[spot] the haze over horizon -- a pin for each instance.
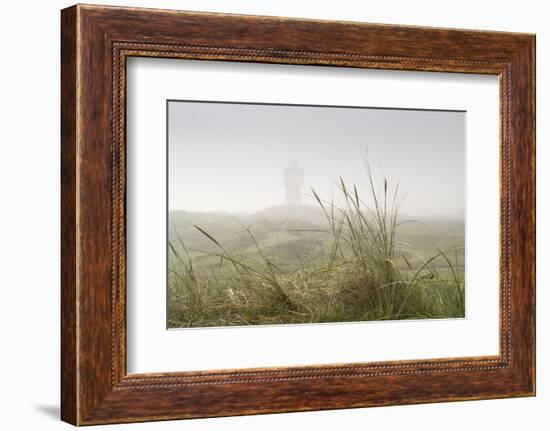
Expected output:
(230, 157)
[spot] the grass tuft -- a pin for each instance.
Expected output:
(364, 275)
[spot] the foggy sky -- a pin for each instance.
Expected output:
(230, 157)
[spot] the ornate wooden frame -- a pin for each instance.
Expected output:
(95, 43)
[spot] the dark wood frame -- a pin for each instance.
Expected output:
(95, 43)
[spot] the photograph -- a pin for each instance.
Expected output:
(306, 214)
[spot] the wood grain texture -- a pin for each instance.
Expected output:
(96, 41)
(69, 367)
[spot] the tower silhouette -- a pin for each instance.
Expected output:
(294, 181)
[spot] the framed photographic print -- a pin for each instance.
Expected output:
(266, 215)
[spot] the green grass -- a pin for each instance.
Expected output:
(354, 268)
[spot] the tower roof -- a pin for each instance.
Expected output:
(293, 167)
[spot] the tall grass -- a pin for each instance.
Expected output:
(361, 277)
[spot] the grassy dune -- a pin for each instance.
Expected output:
(354, 260)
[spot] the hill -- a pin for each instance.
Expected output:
(289, 235)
